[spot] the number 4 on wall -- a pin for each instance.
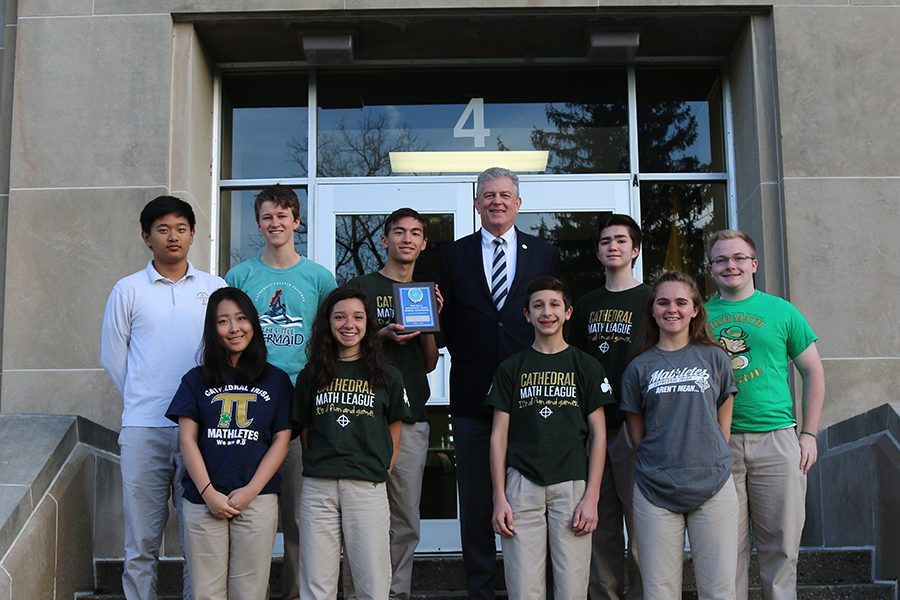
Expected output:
(477, 132)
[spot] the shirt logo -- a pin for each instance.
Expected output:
(343, 421)
(203, 298)
(546, 412)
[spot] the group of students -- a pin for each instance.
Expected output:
(274, 321)
(286, 353)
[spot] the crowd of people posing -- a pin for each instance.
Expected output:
(640, 409)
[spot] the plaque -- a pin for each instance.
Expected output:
(415, 307)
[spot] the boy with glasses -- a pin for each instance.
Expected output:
(771, 458)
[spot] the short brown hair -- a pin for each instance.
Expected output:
(281, 195)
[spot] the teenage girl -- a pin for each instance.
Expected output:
(678, 395)
(233, 414)
(348, 405)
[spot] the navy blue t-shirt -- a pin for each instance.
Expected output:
(237, 424)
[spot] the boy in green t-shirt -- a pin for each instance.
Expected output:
(286, 289)
(548, 401)
(771, 459)
(415, 354)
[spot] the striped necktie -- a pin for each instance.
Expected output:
(499, 289)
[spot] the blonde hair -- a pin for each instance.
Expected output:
(729, 234)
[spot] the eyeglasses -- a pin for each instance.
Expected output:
(738, 259)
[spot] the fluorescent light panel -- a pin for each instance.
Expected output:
(534, 161)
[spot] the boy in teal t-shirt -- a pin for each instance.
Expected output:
(548, 402)
(286, 289)
(771, 459)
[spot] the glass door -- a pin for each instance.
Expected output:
(562, 212)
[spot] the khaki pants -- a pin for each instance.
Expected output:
(289, 508)
(404, 494)
(608, 540)
(712, 530)
(542, 516)
(332, 510)
(771, 491)
(230, 558)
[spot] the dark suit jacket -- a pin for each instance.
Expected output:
(479, 336)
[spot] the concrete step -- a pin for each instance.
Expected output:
(823, 574)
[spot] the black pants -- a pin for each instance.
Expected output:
(472, 437)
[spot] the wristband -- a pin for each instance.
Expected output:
(809, 433)
(204, 489)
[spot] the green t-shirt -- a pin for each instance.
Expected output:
(347, 423)
(607, 325)
(548, 398)
(287, 301)
(409, 358)
(759, 334)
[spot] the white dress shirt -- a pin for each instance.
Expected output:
(487, 254)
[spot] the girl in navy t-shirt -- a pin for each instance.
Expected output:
(233, 414)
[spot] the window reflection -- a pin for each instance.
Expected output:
(264, 120)
(677, 218)
(358, 247)
(573, 233)
(679, 115)
(243, 240)
(439, 479)
(578, 115)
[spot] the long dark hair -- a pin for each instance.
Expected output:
(251, 365)
(698, 331)
(322, 349)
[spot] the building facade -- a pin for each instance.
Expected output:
(776, 117)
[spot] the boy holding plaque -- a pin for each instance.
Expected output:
(415, 354)
(548, 400)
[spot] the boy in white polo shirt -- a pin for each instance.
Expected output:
(547, 400)
(152, 328)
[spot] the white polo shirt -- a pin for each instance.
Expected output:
(152, 329)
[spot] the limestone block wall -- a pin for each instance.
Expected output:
(49, 504)
(112, 110)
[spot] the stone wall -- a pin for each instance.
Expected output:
(854, 489)
(60, 505)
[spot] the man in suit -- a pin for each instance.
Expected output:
(483, 278)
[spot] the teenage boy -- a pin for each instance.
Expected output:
(606, 324)
(415, 355)
(547, 400)
(152, 328)
(771, 459)
(286, 289)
